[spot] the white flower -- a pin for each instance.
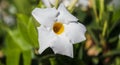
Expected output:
(59, 30)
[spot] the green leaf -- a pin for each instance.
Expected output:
(32, 33)
(27, 57)
(95, 60)
(53, 61)
(112, 53)
(15, 44)
(15, 40)
(113, 34)
(10, 41)
(80, 14)
(94, 34)
(23, 18)
(116, 15)
(23, 24)
(28, 30)
(13, 57)
(81, 52)
(23, 6)
(117, 61)
(116, 12)
(118, 46)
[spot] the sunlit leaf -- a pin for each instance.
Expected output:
(23, 6)
(27, 30)
(27, 57)
(32, 33)
(117, 61)
(13, 57)
(15, 40)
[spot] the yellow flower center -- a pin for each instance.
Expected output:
(58, 28)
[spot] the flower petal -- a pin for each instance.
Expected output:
(65, 16)
(47, 3)
(45, 16)
(62, 46)
(75, 32)
(45, 38)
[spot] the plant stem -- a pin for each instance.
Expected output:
(104, 28)
(52, 61)
(56, 3)
(101, 2)
(72, 5)
(94, 10)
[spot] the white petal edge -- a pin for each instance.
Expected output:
(75, 32)
(45, 38)
(46, 16)
(65, 16)
(62, 46)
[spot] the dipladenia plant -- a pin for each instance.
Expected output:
(59, 30)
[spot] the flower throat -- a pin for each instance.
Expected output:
(58, 28)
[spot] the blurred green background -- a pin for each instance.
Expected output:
(18, 35)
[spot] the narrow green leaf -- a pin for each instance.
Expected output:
(32, 33)
(13, 57)
(95, 60)
(23, 24)
(118, 46)
(116, 15)
(23, 6)
(117, 61)
(80, 14)
(116, 12)
(112, 53)
(27, 57)
(52, 61)
(81, 52)
(15, 40)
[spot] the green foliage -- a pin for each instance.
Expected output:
(20, 41)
